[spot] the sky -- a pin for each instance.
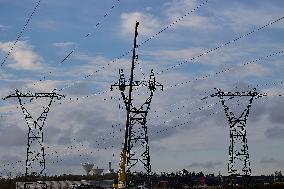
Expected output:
(87, 125)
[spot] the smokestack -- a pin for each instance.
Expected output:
(109, 167)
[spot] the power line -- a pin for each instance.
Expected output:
(153, 36)
(192, 58)
(243, 65)
(223, 45)
(179, 125)
(179, 117)
(225, 70)
(71, 147)
(206, 106)
(147, 40)
(13, 163)
(20, 35)
(207, 52)
(189, 81)
(103, 139)
(191, 120)
(91, 33)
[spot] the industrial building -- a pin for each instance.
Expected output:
(66, 184)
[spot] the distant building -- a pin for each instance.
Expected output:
(87, 167)
(97, 171)
(65, 184)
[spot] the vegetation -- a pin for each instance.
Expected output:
(179, 180)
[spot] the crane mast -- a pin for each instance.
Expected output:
(123, 156)
(136, 130)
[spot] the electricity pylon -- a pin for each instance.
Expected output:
(35, 159)
(136, 131)
(238, 149)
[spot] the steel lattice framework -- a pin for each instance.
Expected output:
(137, 124)
(238, 148)
(35, 160)
(136, 133)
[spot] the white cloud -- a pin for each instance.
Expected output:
(48, 25)
(87, 119)
(176, 9)
(148, 23)
(253, 69)
(23, 56)
(148, 8)
(3, 28)
(179, 5)
(175, 54)
(63, 44)
(240, 17)
(196, 22)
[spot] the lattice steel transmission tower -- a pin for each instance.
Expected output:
(136, 132)
(238, 148)
(35, 159)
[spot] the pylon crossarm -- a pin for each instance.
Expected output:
(253, 93)
(35, 95)
(121, 85)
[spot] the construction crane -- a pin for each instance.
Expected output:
(123, 156)
(136, 134)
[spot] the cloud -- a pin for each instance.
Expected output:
(275, 109)
(240, 16)
(63, 44)
(275, 133)
(175, 8)
(23, 56)
(268, 161)
(50, 25)
(148, 23)
(175, 54)
(206, 165)
(178, 8)
(10, 158)
(12, 136)
(3, 28)
(90, 119)
(252, 69)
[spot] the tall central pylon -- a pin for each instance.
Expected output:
(135, 149)
(35, 159)
(239, 163)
